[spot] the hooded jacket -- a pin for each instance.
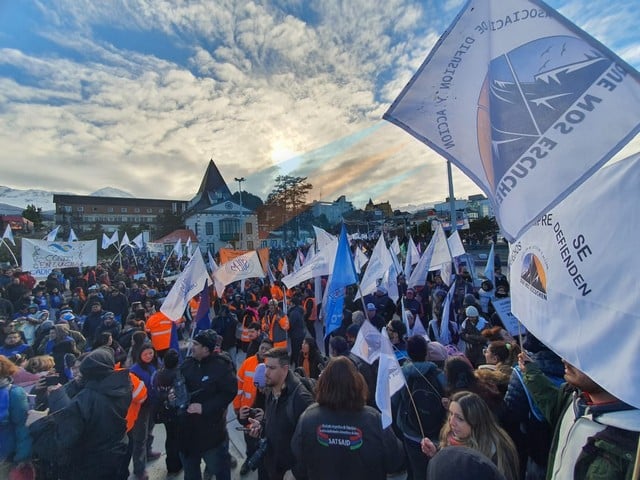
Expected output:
(89, 431)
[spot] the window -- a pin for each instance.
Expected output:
(94, 209)
(161, 210)
(249, 245)
(211, 247)
(123, 210)
(136, 210)
(149, 210)
(110, 210)
(249, 229)
(79, 209)
(208, 228)
(229, 225)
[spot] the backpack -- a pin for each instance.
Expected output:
(308, 384)
(427, 393)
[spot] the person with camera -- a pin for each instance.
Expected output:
(246, 398)
(286, 400)
(210, 381)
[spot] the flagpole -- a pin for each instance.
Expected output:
(165, 265)
(11, 252)
(452, 200)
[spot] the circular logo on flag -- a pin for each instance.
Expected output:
(239, 265)
(528, 91)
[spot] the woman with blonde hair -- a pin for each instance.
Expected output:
(471, 424)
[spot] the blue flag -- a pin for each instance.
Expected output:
(174, 341)
(344, 274)
(203, 322)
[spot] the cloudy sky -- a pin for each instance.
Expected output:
(140, 94)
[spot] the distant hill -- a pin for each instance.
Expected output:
(19, 199)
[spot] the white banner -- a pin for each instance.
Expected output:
(523, 102)
(40, 256)
(573, 279)
(240, 268)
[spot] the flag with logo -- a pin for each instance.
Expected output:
(189, 283)
(314, 266)
(242, 267)
(344, 274)
(8, 235)
(572, 279)
(390, 378)
(523, 102)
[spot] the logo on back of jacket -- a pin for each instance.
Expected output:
(534, 90)
(345, 436)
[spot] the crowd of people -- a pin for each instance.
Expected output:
(90, 367)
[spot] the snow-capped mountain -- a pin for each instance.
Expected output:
(44, 199)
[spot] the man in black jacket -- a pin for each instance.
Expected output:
(297, 328)
(286, 401)
(211, 383)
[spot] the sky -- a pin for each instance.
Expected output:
(139, 94)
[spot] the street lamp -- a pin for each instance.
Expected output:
(240, 180)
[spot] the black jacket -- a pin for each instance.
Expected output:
(345, 445)
(280, 423)
(89, 431)
(297, 328)
(211, 382)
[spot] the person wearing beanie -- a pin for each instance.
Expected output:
(210, 379)
(424, 392)
(470, 333)
(87, 435)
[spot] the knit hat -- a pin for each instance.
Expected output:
(472, 311)
(462, 463)
(259, 379)
(371, 307)
(436, 352)
(207, 338)
(97, 364)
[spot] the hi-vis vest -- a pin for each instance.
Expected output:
(159, 327)
(276, 325)
(246, 389)
(138, 397)
(247, 318)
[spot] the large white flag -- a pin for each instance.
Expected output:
(242, 267)
(320, 264)
(436, 255)
(323, 238)
(413, 256)
(548, 104)
(367, 344)
(8, 234)
(125, 240)
(189, 283)
(455, 244)
(72, 236)
(360, 259)
(138, 241)
(573, 276)
(51, 236)
(379, 264)
(390, 378)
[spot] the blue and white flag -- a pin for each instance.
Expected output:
(51, 236)
(203, 320)
(573, 275)
(489, 270)
(344, 274)
(548, 104)
(390, 378)
(189, 283)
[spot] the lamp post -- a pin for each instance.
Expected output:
(240, 180)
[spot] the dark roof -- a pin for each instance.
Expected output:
(124, 201)
(213, 189)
